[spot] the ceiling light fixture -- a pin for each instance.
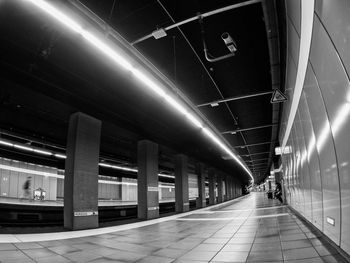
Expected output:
(121, 61)
(25, 148)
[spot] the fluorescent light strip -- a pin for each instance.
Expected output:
(61, 156)
(137, 73)
(6, 143)
(118, 167)
(28, 171)
(25, 148)
(42, 152)
(166, 176)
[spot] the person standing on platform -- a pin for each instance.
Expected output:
(278, 192)
(27, 188)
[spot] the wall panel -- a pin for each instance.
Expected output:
(335, 87)
(326, 152)
(304, 169)
(313, 164)
(293, 12)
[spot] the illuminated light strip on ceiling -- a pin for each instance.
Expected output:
(118, 167)
(25, 148)
(6, 143)
(137, 73)
(62, 156)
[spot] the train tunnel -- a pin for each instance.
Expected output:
(174, 131)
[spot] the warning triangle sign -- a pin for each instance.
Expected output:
(278, 96)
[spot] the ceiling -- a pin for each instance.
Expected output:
(48, 73)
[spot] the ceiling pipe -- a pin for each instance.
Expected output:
(236, 98)
(194, 18)
(250, 129)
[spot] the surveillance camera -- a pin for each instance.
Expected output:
(229, 42)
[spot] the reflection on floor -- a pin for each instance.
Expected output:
(253, 229)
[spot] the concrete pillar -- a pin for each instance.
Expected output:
(147, 180)
(181, 184)
(212, 185)
(201, 185)
(81, 172)
(227, 189)
(220, 192)
(234, 195)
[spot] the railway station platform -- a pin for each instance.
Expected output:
(248, 229)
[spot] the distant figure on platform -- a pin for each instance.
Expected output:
(278, 192)
(27, 187)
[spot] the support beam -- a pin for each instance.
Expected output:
(81, 172)
(195, 18)
(249, 129)
(216, 102)
(220, 188)
(264, 159)
(212, 186)
(254, 144)
(147, 180)
(201, 201)
(181, 184)
(248, 155)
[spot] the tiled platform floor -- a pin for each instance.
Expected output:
(252, 229)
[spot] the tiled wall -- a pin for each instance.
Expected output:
(317, 172)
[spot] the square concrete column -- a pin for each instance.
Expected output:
(147, 180)
(181, 184)
(234, 190)
(201, 186)
(212, 185)
(81, 172)
(231, 187)
(220, 192)
(227, 190)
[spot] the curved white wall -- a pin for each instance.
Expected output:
(317, 172)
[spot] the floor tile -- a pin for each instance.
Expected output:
(28, 245)
(170, 252)
(258, 256)
(105, 260)
(216, 240)
(38, 253)
(53, 243)
(199, 255)
(231, 257)
(299, 253)
(325, 250)
(13, 255)
(155, 259)
(126, 256)
(208, 247)
(63, 249)
(296, 244)
(268, 246)
(81, 256)
(53, 259)
(236, 247)
(7, 246)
